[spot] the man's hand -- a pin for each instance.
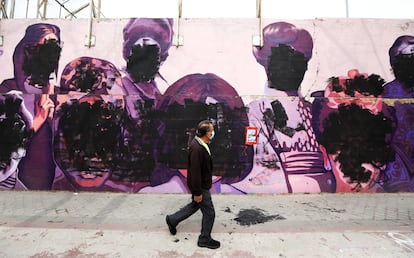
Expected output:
(198, 198)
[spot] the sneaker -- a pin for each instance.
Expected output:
(172, 228)
(212, 244)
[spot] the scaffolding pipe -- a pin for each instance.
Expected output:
(12, 8)
(177, 36)
(40, 4)
(89, 37)
(27, 9)
(259, 15)
(346, 9)
(3, 9)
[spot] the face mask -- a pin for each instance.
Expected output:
(211, 136)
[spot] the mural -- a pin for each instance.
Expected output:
(119, 116)
(349, 113)
(287, 156)
(401, 88)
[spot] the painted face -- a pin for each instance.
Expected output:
(403, 68)
(344, 131)
(96, 141)
(343, 183)
(144, 61)
(41, 60)
(88, 134)
(286, 68)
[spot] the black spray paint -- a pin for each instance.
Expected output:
(144, 62)
(14, 133)
(40, 61)
(247, 217)
(286, 68)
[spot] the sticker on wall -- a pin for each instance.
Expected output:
(251, 135)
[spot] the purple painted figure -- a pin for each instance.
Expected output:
(145, 48)
(401, 89)
(35, 61)
(287, 156)
(345, 115)
(193, 98)
(87, 80)
(15, 132)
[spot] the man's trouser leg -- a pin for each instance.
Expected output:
(184, 212)
(207, 208)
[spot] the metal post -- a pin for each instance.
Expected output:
(178, 40)
(41, 9)
(346, 8)
(258, 39)
(259, 15)
(3, 10)
(90, 39)
(99, 9)
(27, 9)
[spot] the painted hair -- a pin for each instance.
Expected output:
(197, 97)
(284, 33)
(357, 136)
(402, 45)
(402, 60)
(88, 74)
(357, 82)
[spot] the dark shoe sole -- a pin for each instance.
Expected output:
(208, 246)
(171, 228)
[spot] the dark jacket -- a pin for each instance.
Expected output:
(199, 168)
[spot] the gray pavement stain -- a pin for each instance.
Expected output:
(310, 204)
(247, 217)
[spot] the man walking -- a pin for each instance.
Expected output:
(199, 175)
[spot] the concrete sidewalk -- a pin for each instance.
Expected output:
(67, 224)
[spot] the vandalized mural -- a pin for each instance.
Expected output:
(119, 116)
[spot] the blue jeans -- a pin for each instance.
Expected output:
(207, 209)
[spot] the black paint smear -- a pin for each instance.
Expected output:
(286, 68)
(227, 146)
(403, 69)
(90, 132)
(357, 136)
(144, 62)
(135, 159)
(372, 85)
(86, 78)
(247, 217)
(14, 132)
(41, 60)
(276, 119)
(103, 137)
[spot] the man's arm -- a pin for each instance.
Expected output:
(195, 170)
